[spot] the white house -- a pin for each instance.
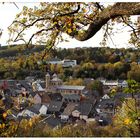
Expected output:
(122, 83)
(110, 83)
(76, 113)
(27, 112)
(43, 110)
(69, 63)
(105, 97)
(34, 110)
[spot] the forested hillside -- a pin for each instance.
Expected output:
(18, 62)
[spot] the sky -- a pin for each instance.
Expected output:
(8, 12)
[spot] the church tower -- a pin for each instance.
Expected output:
(47, 80)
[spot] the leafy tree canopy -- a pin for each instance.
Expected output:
(79, 20)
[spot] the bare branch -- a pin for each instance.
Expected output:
(38, 32)
(133, 29)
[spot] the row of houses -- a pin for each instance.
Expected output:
(65, 63)
(56, 103)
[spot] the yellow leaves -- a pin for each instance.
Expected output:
(24, 20)
(55, 23)
(69, 24)
(4, 115)
(69, 31)
(84, 10)
(2, 125)
(30, 123)
(127, 121)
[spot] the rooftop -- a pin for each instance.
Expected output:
(84, 108)
(55, 106)
(69, 87)
(68, 110)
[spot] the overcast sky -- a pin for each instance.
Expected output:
(8, 12)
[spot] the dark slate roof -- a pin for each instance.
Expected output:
(29, 78)
(122, 95)
(106, 103)
(32, 93)
(25, 84)
(53, 121)
(95, 93)
(71, 96)
(121, 81)
(125, 95)
(84, 108)
(43, 84)
(23, 117)
(35, 108)
(55, 106)
(55, 96)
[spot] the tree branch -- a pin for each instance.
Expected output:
(38, 32)
(118, 9)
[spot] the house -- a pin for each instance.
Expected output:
(45, 98)
(103, 119)
(101, 79)
(39, 97)
(55, 96)
(53, 122)
(71, 98)
(43, 109)
(37, 86)
(105, 97)
(68, 89)
(119, 96)
(54, 85)
(68, 112)
(69, 63)
(122, 83)
(111, 83)
(55, 107)
(30, 79)
(65, 63)
(82, 111)
(25, 84)
(36, 109)
(106, 106)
